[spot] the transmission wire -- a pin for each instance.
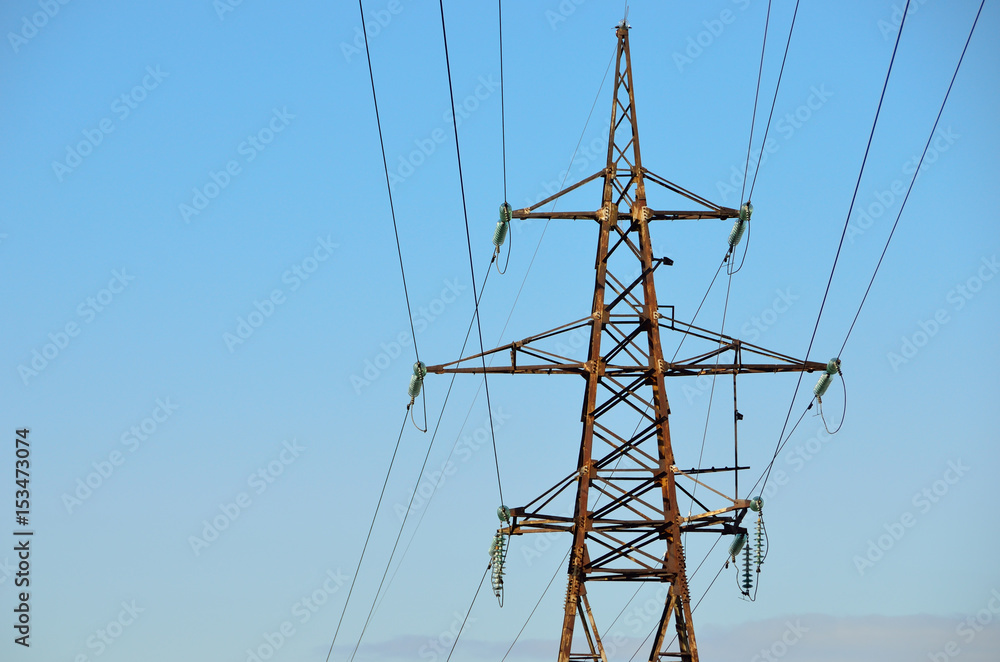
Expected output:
(503, 125)
(367, 538)
(420, 476)
(840, 245)
(641, 585)
(413, 495)
(711, 396)
(914, 179)
(531, 263)
(776, 88)
(692, 611)
(462, 627)
(468, 239)
(524, 280)
(392, 210)
(782, 443)
(756, 96)
(535, 608)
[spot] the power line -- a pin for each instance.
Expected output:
(523, 281)
(864, 298)
(468, 239)
(409, 505)
(503, 125)
(535, 608)
(698, 310)
(914, 179)
(781, 444)
(711, 396)
(894, 225)
(634, 595)
(471, 605)
(843, 233)
(773, 100)
(392, 210)
(545, 228)
(753, 119)
(693, 609)
(367, 538)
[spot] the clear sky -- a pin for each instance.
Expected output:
(203, 310)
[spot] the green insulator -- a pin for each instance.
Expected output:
(496, 544)
(832, 368)
(737, 232)
(417, 380)
(500, 232)
(747, 577)
(823, 384)
(745, 211)
(756, 504)
(505, 213)
(736, 546)
(503, 512)
(759, 542)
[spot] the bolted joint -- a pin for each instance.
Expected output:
(649, 318)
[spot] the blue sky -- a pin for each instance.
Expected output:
(179, 176)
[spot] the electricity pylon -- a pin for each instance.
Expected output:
(634, 473)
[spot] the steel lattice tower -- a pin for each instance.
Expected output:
(634, 533)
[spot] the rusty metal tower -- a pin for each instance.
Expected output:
(634, 535)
